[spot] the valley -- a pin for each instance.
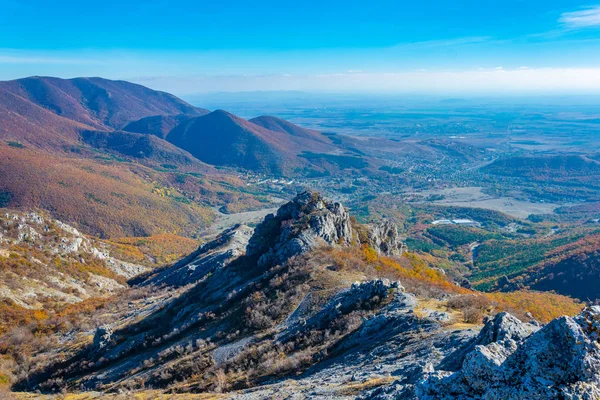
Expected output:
(151, 247)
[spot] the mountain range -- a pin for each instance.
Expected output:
(115, 145)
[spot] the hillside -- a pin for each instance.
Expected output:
(46, 264)
(158, 125)
(282, 126)
(62, 152)
(312, 304)
(221, 138)
(572, 269)
(543, 168)
(96, 102)
(156, 250)
(104, 199)
(146, 149)
(26, 122)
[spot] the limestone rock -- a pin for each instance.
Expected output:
(360, 294)
(560, 360)
(298, 227)
(384, 238)
(217, 253)
(102, 338)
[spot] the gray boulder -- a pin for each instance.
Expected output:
(560, 360)
(384, 238)
(102, 338)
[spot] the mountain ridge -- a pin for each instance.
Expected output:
(221, 138)
(306, 310)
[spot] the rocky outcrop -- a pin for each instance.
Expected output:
(359, 295)
(102, 338)
(59, 238)
(560, 360)
(384, 238)
(297, 328)
(215, 254)
(298, 227)
(62, 264)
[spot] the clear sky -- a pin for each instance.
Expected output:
(449, 46)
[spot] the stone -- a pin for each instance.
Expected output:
(560, 360)
(102, 338)
(384, 238)
(298, 227)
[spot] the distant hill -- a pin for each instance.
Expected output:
(62, 150)
(61, 115)
(158, 125)
(262, 144)
(24, 121)
(282, 126)
(118, 159)
(545, 167)
(554, 178)
(97, 102)
(221, 138)
(147, 149)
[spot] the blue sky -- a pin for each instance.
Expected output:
(189, 47)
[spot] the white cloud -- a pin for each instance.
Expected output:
(429, 44)
(587, 18)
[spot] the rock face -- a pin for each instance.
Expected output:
(357, 296)
(102, 338)
(87, 268)
(384, 238)
(560, 360)
(229, 245)
(300, 226)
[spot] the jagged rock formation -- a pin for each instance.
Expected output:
(217, 253)
(276, 321)
(384, 238)
(392, 348)
(233, 304)
(47, 260)
(560, 360)
(300, 226)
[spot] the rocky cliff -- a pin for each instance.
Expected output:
(294, 310)
(46, 261)
(299, 226)
(385, 239)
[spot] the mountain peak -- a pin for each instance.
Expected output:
(96, 102)
(298, 227)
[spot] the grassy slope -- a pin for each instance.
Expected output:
(155, 250)
(104, 200)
